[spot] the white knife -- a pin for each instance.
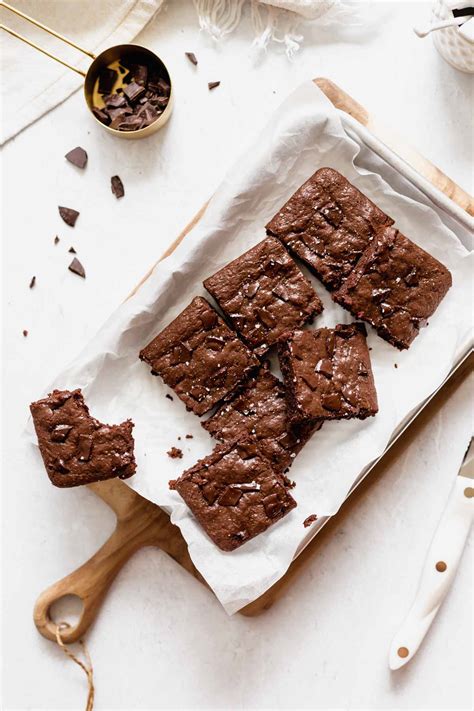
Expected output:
(440, 566)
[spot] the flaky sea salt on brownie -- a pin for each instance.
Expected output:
(260, 409)
(234, 493)
(76, 448)
(395, 287)
(264, 293)
(328, 374)
(199, 356)
(328, 223)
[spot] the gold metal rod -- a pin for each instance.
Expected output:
(40, 49)
(46, 29)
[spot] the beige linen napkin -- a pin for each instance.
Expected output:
(33, 84)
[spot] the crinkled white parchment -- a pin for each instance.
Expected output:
(304, 135)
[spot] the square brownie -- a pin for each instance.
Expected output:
(328, 223)
(328, 374)
(234, 493)
(76, 448)
(199, 356)
(264, 293)
(259, 408)
(396, 287)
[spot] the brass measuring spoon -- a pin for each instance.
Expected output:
(109, 58)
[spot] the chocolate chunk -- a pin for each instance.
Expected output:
(213, 85)
(60, 433)
(331, 401)
(208, 319)
(411, 279)
(230, 497)
(170, 397)
(69, 215)
(72, 250)
(379, 295)
(324, 366)
(115, 101)
(273, 505)
(189, 436)
(25, 333)
(56, 239)
(32, 282)
(162, 87)
(133, 91)
(84, 447)
(215, 343)
(129, 123)
(59, 465)
(309, 520)
(192, 58)
(117, 187)
(140, 74)
(77, 268)
(251, 289)
(101, 115)
(77, 157)
(107, 78)
(175, 453)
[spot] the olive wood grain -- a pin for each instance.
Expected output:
(141, 523)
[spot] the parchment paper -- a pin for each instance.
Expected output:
(305, 134)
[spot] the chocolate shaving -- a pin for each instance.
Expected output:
(117, 187)
(213, 85)
(192, 58)
(72, 250)
(69, 215)
(32, 282)
(170, 397)
(77, 268)
(77, 157)
(56, 239)
(25, 333)
(189, 436)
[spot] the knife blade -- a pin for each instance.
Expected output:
(440, 566)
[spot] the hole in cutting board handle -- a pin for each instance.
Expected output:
(68, 608)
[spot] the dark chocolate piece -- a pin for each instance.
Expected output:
(72, 250)
(213, 85)
(107, 78)
(77, 157)
(199, 357)
(264, 294)
(192, 58)
(101, 115)
(396, 287)
(77, 268)
(117, 186)
(115, 101)
(140, 74)
(56, 239)
(175, 453)
(309, 520)
(170, 397)
(69, 215)
(260, 409)
(328, 223)
(32, 282)
(133, 91)
(189, 436)
(234, 493)
(76, 448)
(25, 333)
(328, 374)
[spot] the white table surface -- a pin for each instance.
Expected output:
(161, 640)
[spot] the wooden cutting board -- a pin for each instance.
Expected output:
(141, 523)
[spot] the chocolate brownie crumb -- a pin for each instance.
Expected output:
(175, 453)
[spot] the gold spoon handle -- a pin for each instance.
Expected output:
(46, 29)
(40, 49)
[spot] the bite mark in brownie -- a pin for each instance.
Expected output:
(328, 223)
(76, 448)
(234, 493)
(264, 294)
(259, 408)
(199, 357)
(328, 374)
(396, 287)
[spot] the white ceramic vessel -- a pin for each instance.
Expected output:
(452, 45)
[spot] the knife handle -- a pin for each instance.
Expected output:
(438, 572)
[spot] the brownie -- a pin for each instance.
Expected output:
(396, 287)
(234, 493)
(76, 448)
(260, 409)
(328, 223)
(328, 374)
(264, 294)
(199, 356)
